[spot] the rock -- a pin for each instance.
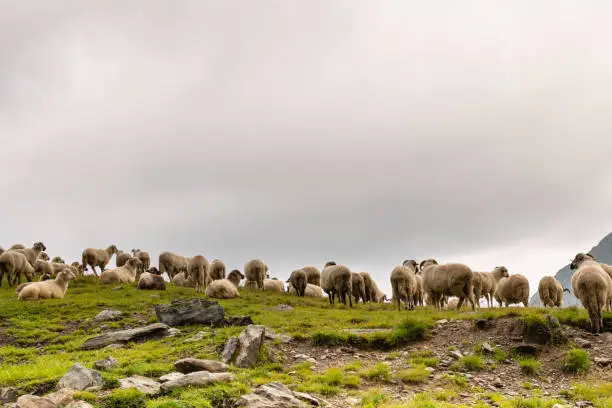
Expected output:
(353, 401)
(79, 404)
(441, 321)
(171, 377)
(190, 365)
(602, 361)
(455, 354)
(229, 349)
(368, 331)
(193, 311)
(142, 384)
(62, 397)
(115, 346)
(527, 349)
(251, 339)
(118, 288)
(108, 315)
(311, 360)
(283, 338)
(105, 364)
(430, 369)
(32, 401)
(282, 308)
(583, 403)
(80, 378)
(272, 395)
(301, 356)
(150, 332)
(198, 378)
(582, 343)
(8, 395)
(199, 336)
(498, 384)
(173, 332)
(487, 347)
(307, 398)
(237, 321)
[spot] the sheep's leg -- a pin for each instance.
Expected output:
(460, 303)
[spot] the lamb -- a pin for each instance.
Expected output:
(358, 287)
(274, 285)
(172, 264)
(550, 291)
(121, 258)
(216, 271)
(151, 280)
(97, 257)
(313, 275)
(336, 280)
(58, 259)
(49, 289)
(403, 284)
(593, 286)
(197, 269)
(32, 253)
(13, 263)
(513, 289)
(452, 279)
(255, 271)
(311, 291)
(225, 288)
(144, 258)
(184, 280)
(122, 274)
(298, 281)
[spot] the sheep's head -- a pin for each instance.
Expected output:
(503, 270)
(411, 263)
(133, 262)
(43, 256)
(427, 262)
(112, 249)
(329, 263)
(58, 259)
(579, 259)
(39, 246)
(154, 270)
(68, 273)
(235, 276)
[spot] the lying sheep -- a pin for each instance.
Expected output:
(144, 258)
(151, 280)
(453, 279)
(274, 285)
(58, 259)
(122, 274)
(550, 291)
(97, 257)
(403, 285)
(172, 264)
(255, 271)
(216, 271)
(336, 280)
(358, 287)
(313, 275)
(32, 253)
(49, 289)
(313, 291)
(225, 288)
(593, 286)
(297, 280)
(15, 264)
(197, 270)
(183, 280)
(513, 289)
(121, 258)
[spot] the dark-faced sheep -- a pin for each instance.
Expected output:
(42, 256)
(593, 286)
(513, 289)
(97, 258)
(197, 270)
(336, 281)
(122, 274)
(49, 289)
(313, 275)
(225, 288)
(151, 281)
(359, 290)
(15, 264)
(172, 264)
(298, 281)
(58, 259)
(550, 291)
(255, 271)
(403, 285)
(452, 279)
(32, 253)
(216, 271)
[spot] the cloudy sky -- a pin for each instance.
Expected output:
(366, 132)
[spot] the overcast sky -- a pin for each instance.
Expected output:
(364, 132)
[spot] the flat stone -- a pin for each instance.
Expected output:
(79, 404)
(456, 354)
(171, 377)
(173, 332)
(251, 339)
(80, 378)
(272, 395)
(441, 321)
(198, 378)
(150, 332)
(603, 361)
(368, 331)
(192, 311)
(190, 365)
(108, 315)
(283, 338)
(229, 349)
(62, 397)
(582, 343)
(105, 364)
(8, 395)
(142, 384)
(282, 308)
(32, 401)
(199, 336)
(487, 347)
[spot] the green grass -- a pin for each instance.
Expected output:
(472, 363)
(379, 373)
(413, 375)
(529, 366)
(598, 394)
(576, 361)
(124, 399)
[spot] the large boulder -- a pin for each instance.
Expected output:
(229, 349)
(197, 379)
(275, 395)
(108, 315)
(150, 332)
(190, 365)
(193, 311)
(251, 339)
(32, 401)
(105, 364)
(80, 378)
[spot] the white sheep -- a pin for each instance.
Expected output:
(403, 284)
(15, 264)
(151, 281)
(255, 271)
(297, 280)
(197, 270)
(32, 253)
(550, 291)
(453, 279)
(373, 294)
(313, 275)
(122, 274)
(172, 264)
(336, 280)
(49, 289)
(216, 271)
(183, 280)
(311, 291)
(593, 286)
(513, 289)
(274, 285)
(358, 287)
(97, 257)
(225, 288)
(121, 258)
(144, 258)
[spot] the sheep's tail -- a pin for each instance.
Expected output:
(398, 287)
(593, 310)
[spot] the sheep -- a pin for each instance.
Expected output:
(197, 270)
(13, 263)
(513, 289)
(358, 284)
(373, 294)
(313, 275)
(2, 250)
(274, 285)
(121, 258)
(97, 257)
(298, 281)
(78, 267)
(251, 285)
(550, 291)
(49, 289)
(216, 271)
(593, 286)
(32, 253)
(43, 256)
(225, 288)
(419, 292)
(336, 280)
(255, 270)
(606, 268)
(151, 280)
(452, 279)
(122, 274)
(403, 284)
(311, 291)
(58, 259)
(487, 284)
(144, 258)
(17, 246)
(172, 264)
(184, 280)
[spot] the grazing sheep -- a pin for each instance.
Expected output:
(121, 258)
(373, 294)
(403, 284)
(593, 286)
(550, 291)
(298, 281)
(16, 246)
(184, 280)
(32, 253)
(97, 257)
(172, 264)
(336, 280)
(78, 267)
(274, 285)
(313, 291)
(513, 289)
(151, 280)
(58, 259)
(49, 289)
(197, 270)
(225, 288)
(216, 271)
(255, 271)
(313, 275)
(144, 258)
(359, 290)
(122, 274)
(453, 279)
(15, 264)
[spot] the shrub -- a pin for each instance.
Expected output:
(130, 398)
(380, 372)
(410, 330)
(529, 366)
(374, 399)
(576, 361)
(85, 396)
(323, 339)
(415, 375)
(472, 363)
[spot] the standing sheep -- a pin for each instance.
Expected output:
(172, 264)
(513, 289)
(403, 285)
(313, 291)
(453, 279)
(274, 285)
(313, 275)
(550, 291)
(78, 267)
(121, 258)
(13, 263)
(359, 290)
(49, 289)
(336, 280)
(298, 281)
(122, 274)
(197, 270)
(144, 258)
(255, 271)
(593, 286)
(97, 257)
(216, 271)
(32, 253)
(373, 294)
(225, 288)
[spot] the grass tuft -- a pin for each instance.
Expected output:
(576, 361)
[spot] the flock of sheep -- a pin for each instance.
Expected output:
(412, 283)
